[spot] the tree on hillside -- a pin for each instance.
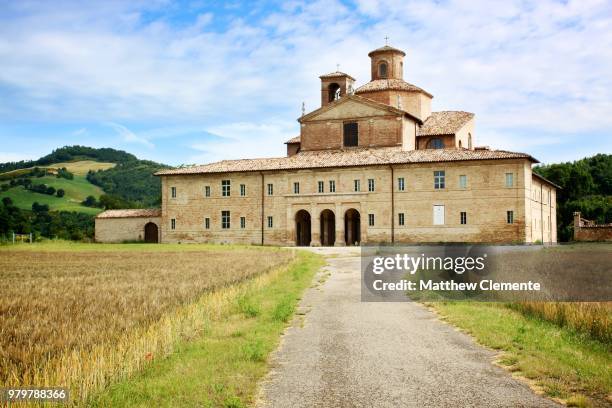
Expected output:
(60, 192)
(90, 201)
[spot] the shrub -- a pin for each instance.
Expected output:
(254, 351)
(284, 310)
(60, 192)
(248, 307)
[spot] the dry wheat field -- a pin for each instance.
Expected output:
(84, 316)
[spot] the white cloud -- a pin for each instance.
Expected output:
(235, 140)
(128, 136)
(542, 67)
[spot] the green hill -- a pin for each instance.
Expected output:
(105, 178)
(76, 190)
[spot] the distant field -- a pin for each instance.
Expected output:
(76, 189)
(83, 166)
(85, 314)
(80, 167)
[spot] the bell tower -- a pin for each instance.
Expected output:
(387, 63)
(334, 86)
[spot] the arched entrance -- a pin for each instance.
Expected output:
(302, 228)
(328, 228)
(352, 227)
(150, 232)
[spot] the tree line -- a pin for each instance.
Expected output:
(586, 186)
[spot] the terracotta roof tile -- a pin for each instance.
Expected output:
(444, 123)
(347, 158)
(293, 140)
(385, 48)
(336, 74)
(140, 212)
(389, 84)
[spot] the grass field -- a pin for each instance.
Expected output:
(85, 315)
(79, 167)
(76, 190)
(222, 367)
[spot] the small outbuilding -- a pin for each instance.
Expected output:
(129, 225)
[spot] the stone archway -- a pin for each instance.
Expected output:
(352, 227)
(151, 233)
(302, 228)
(328, 228)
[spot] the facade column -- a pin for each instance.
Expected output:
(349, 231)
(339, 227)
(315, 225)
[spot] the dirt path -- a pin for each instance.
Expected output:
(346, 353)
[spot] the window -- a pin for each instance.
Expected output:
(370, 184)
(357, 185)
(243, 190)
(463, 217)
(173, 192)
(173, 223)
(207, 223)
(462, 181)
(225, 219)
(510, 217)
(270, 222)
(382, 70)
(460, 144)
(438, 215)
(469, 141)
(321, 186)
(296, 188)
(270, 189)
(509, 179)
(242, 222)
(400, 184)
(225, 188)
(401, 219)
(332, 186)
(351, 134)
(439, 179)
(371, 220)
(207, 191)
(435, 143)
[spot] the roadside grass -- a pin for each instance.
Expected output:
(83, 318)
(562, 363)
(221, 367)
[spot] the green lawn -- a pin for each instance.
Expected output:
(562, 363)
(76, 190)
(221, 368)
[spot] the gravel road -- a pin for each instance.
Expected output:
(341, 352)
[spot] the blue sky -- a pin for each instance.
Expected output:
(198, 81)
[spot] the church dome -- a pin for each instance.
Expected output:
(390, 84)
(386, 49)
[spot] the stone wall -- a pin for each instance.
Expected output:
(124, 229)
(585, 230)
(485, 200)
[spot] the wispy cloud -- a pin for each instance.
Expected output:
(127, 135)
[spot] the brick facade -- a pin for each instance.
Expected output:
(485, 198)
(487, 195)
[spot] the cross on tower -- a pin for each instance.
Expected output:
(386, 40)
